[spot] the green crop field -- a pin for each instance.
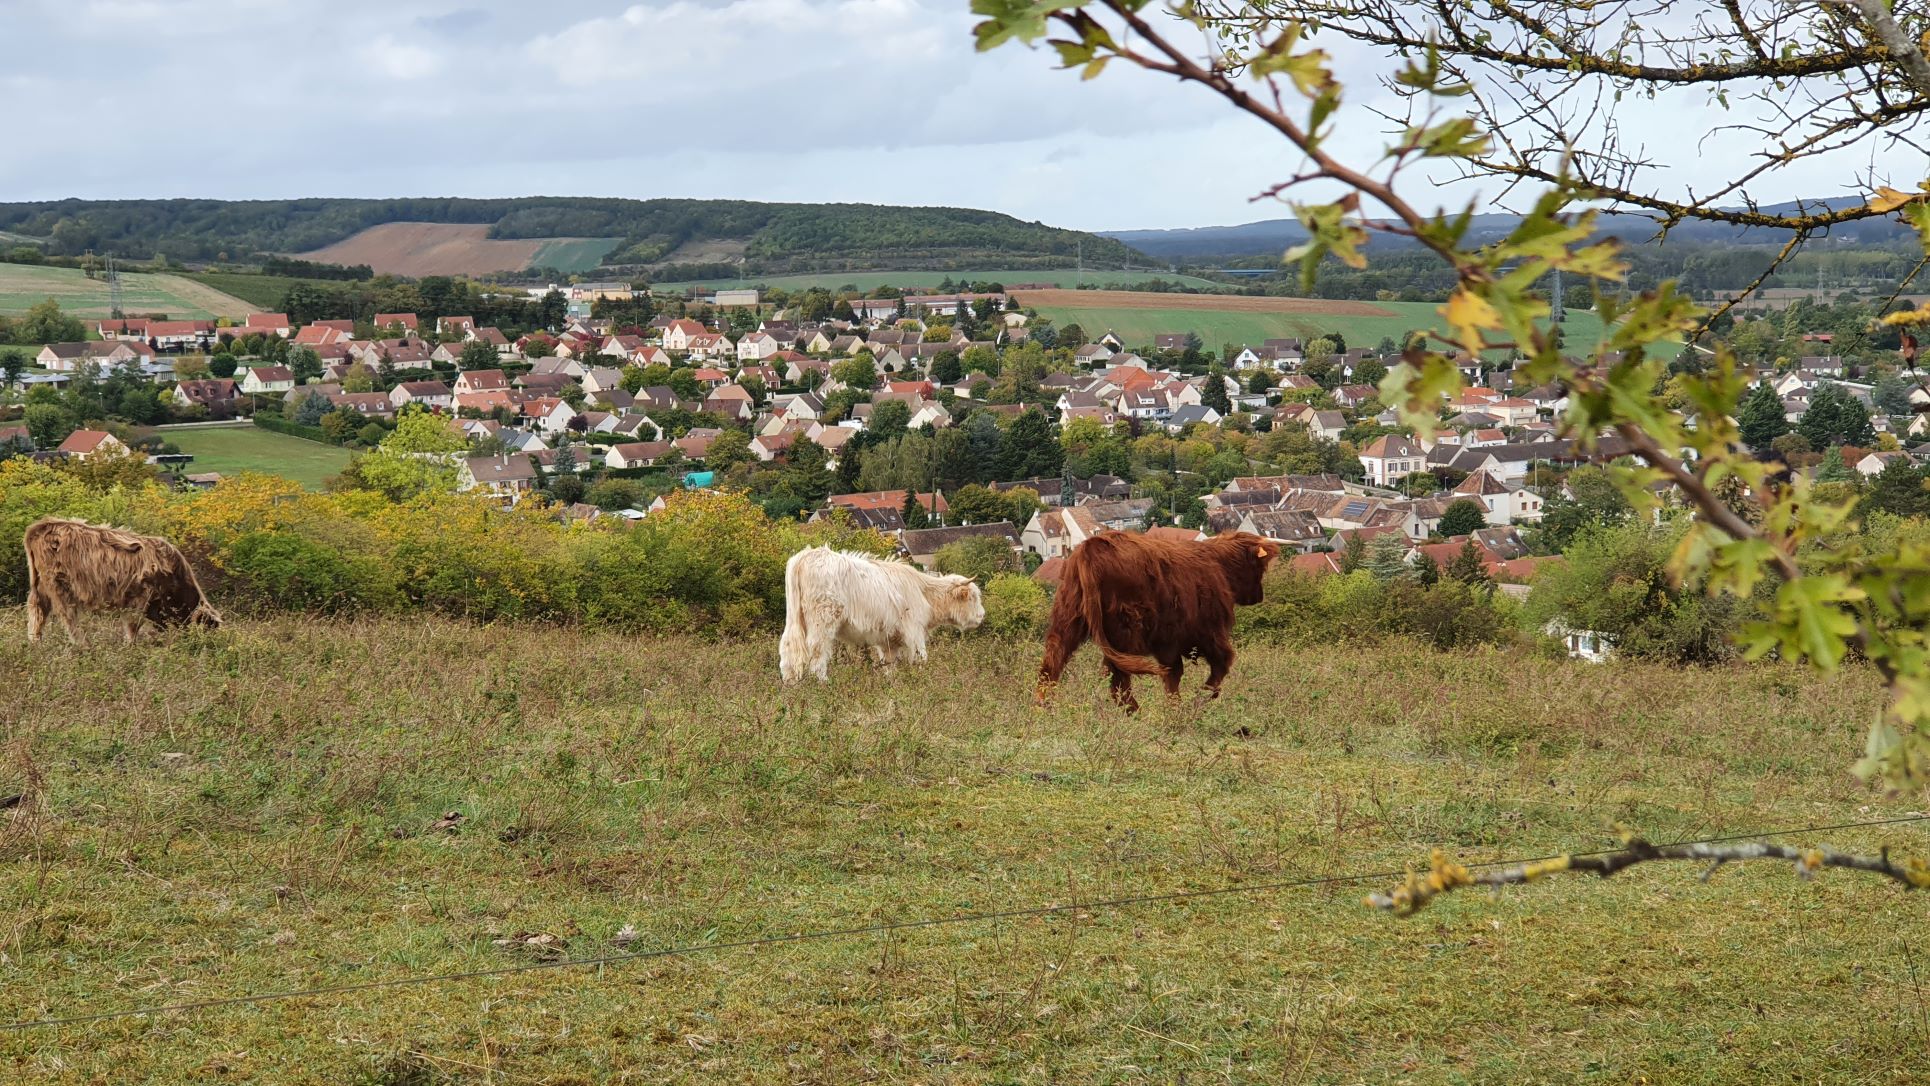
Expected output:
(574, 254)
(262, 809)
(23, 286)
(1064, 277)
(1137, 327)
(264, 292)
(231, 450)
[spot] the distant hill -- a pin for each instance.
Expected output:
(747, 237)
(1272, 236)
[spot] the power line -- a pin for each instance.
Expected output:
(868, 929)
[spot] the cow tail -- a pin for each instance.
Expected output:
(33, 575)
(792, 647)
(1095, 616)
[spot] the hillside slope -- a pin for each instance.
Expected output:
(774, 238)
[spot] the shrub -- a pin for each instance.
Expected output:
(285, 570)
(1016, 606)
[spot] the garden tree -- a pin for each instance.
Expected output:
(142, 405)
(223, 364)
(977, 504)
(1833, 469)
(1763, 419)
(1042, 333)
(305, 408)
(1260, 382)
(1898, 489)
(981, 558)
(655, 374)
(838, 405)
(1021, 372)
(359, 378)
(1466, 566)
(1387, 557)
(946, 369)
(477, 355)
(1353, 554)
(983, 442)
(755, 386)
(937, 333)
(631, 379)
(980, 359)
(567, 489)
(554, 310)
(841, 310)
(683, 382)
(914, 511)
(727, 450)
(371, 434)
(1370, 373)
(45, 323)
(565, 462)
(191, 367)
(1426, 570)
(1462, 516)
(1420, 484)
(1593, 499)
(1029, 448)
(611, 495)
(14, 362)
(806, 476)
(860, 371)
(339, 425)
(1834, 417)
(889, 419)
(304, 363)
(1892, 394)
(49, 423)
(385, 375)
(1214, 395)
(418, 457)
(1072, 337)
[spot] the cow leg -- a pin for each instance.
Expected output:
(1122, 689)
(36, 613)
(821, 644)
(133, 629)
(66, 616)
(1219, 661)
(886, 655)
(1175, 668)
(1059, 647)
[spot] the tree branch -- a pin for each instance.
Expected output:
(1445, 875)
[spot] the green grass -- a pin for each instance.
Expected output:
(181, 297)
(234, 449)
(1138, 326)
(574, 254)
(265, 292)
(1064, 277)
(251, 810)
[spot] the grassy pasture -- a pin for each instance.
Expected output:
(231, 450)
(1138, 325)
(253, 809)
(23, 286)
(574, 254)
(1063, 277)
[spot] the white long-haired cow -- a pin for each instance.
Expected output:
(837, 597)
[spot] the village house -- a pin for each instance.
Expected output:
(509, 474)
(455, 326)
(267, 324)
(1392, 457)
(213, 394)
(435, 395)
(481, 381)
(1503, 504)
(261, 380)
(375, 404)
(405, 322)
(1053, 533)
(86, 444)
(635, 454)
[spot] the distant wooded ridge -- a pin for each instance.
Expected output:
(1271, 236)
(760, 238)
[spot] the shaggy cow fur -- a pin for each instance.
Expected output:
(75, 566)
(1151, 603)
(833, 597)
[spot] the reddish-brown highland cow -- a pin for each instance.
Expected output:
(1151, 603)
(75, 566)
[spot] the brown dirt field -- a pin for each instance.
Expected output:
(1219, 303)
(421, 248)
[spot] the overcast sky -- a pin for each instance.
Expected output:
(880, 101)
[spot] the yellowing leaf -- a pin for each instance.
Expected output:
(1469, 315)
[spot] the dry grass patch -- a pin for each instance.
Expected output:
(257, 809)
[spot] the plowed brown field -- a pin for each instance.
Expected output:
(1218, 303)
(421, 248)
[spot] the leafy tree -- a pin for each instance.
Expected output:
(1029, 448)
(946, 368)
(611, 495)
(980, 558)
(567, 489)
(980, 359)
(1762, 419)
(1072, 337)
(477, 355)
(340, 424)
(683, 382)
(1387, 557)
(1463, 516)
(889, 419)
(1214, 394)
(860, 371)
(1596, 502)
(914, 511)
(1260, 382)
(1892, 394)
(1353, 555)
(305, 363)
(1833, 469)
(12, 364)
(45, 323)
(1426, 570)
(417, 457)
(223, 364)
(49, 423)
(1899, 488)
(1466, 566)
(359, 378)
(1835, 417)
